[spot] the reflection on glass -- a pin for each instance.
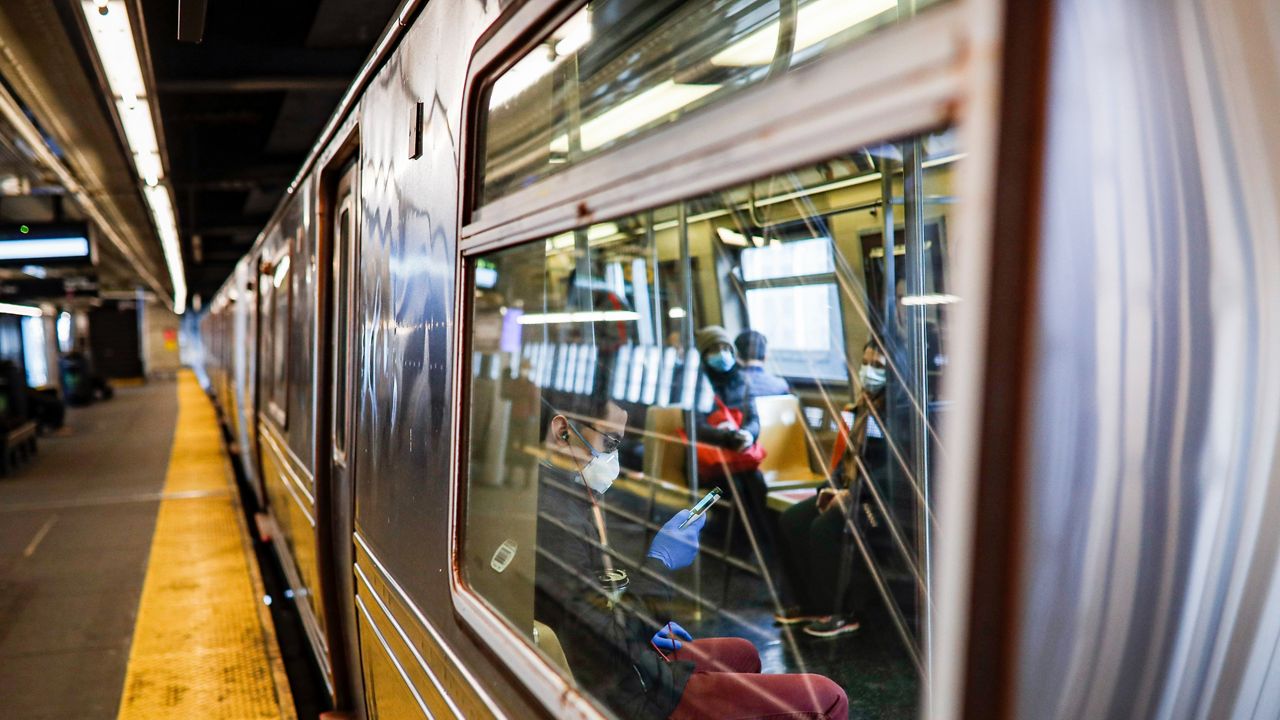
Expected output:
(619, 67)
(781, 341)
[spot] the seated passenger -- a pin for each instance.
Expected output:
(611, 616)
(751, 346)
(827, 579)
(739, 467)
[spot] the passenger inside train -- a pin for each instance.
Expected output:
(776, 344)
(751, 347)
(619, 621)
(640, 339)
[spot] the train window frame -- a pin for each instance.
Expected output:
(278, 397)
(939, 82)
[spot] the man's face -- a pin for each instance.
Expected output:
(603, 434)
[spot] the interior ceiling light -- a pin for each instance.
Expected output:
(26, 310)
(112, 34)
(566, 40)
(815, 21)
(625, 118)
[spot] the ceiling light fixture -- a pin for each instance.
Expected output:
(815, 22)
(112, 34)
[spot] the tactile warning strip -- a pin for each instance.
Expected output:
(204, 645)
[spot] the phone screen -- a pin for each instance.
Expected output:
(706, 502)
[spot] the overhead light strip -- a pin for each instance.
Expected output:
(13, 112)
(112, 35)
(24, 310)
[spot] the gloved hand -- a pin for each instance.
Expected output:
(665, 639)
(744, 440)
(674, 547)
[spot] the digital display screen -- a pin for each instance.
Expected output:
(44, 243)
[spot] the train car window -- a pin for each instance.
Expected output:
(617, 68)
(802, 385)
(341, 314)
(280, 293)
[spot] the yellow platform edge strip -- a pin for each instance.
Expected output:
(204, 644)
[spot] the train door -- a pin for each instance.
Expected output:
(335, 493)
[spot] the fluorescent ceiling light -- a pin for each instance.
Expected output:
(44, 248)
(577, 317)
(676, 313)
(815, 21)
(112, 34)
(595, 233)
(730, 237)
(600, 231)
(26, 310)
(625, 118)
(138, 128)
(564, 41)
(573, 34)
(167, 227)
(149, 167)
(932, 299)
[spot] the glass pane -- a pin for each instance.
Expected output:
(339, 329)
(619, 67)
(624, 370)
(280, 320)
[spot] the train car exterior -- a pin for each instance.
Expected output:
(533, 212)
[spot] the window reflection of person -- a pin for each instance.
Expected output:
(728, 381)
(610, 615)
(752, 346)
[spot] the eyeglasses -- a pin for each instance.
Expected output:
(609, 440)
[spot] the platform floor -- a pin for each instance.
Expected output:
(126, 585)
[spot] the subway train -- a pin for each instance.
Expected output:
(960, 305)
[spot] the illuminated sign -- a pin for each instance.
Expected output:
(45, 244)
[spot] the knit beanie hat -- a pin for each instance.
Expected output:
(710, 336)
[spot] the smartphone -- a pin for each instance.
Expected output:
(703, 505)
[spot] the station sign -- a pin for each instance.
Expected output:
(45, 244)
(50, 288)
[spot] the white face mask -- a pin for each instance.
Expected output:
(600, 473)
(871, 377)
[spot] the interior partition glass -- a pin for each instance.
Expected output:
(771, 352)
(618, 68)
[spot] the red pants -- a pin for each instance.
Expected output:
(727, 685)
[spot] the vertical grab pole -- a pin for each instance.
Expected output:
(918, 345)
(690, 417)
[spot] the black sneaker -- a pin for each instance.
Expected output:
(832, 627)
(796, 616)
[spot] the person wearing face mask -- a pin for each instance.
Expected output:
(720, 365)
(612, 614)
(829, 584)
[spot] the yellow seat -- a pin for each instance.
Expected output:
(786, 444)
(664, 451)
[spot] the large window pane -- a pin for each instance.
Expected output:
(766, 341)
(619, 67)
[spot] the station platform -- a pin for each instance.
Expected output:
(128, 584)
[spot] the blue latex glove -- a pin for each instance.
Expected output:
(665, 639)
(674, 547)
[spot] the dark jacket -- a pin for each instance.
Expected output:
(608, 649)
(733, 391)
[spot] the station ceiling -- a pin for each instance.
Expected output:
(237, 114)
(241, 109)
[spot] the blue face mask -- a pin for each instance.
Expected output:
(722, 361)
